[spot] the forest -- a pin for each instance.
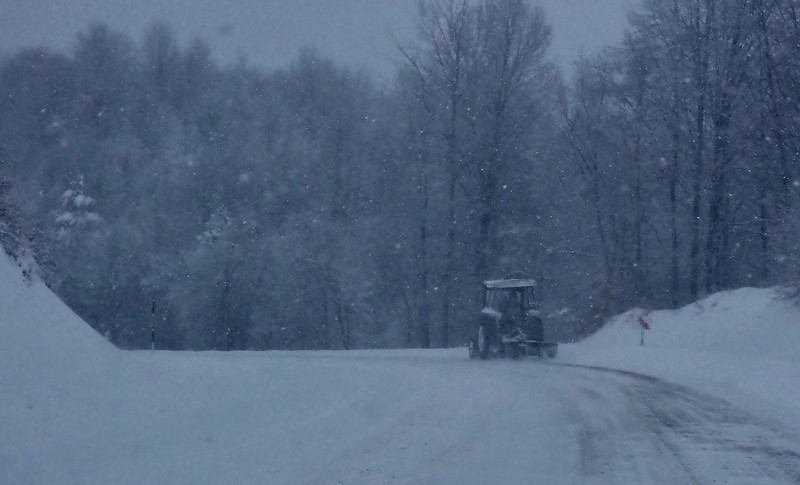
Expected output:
(314, 207)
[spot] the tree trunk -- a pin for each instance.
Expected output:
(675, 287)
(447, 277)
(424, 317)
(701, 71)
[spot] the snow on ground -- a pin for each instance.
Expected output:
(742, 345)
(74, 409)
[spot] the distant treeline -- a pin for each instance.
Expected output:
(308, 207)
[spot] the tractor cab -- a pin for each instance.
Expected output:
(509, 324)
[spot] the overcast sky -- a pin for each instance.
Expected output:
(269, 32)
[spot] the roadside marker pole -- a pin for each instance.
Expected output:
(153, 326)
(645, 326)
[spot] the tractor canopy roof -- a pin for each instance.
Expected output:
(508, 284)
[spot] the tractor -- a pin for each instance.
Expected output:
(509, 324)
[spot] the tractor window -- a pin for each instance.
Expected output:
(516, 299)
(508, 301)
(492, 299)
(530, 300)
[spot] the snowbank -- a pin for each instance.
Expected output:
(742, 345)
(39, 334)
(52, 367)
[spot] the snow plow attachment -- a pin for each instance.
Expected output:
(541, 349)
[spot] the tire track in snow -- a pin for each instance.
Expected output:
(538, 422)
(712, 439)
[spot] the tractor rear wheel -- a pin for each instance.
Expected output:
(512, 350)
(483, 343)
(473, 349)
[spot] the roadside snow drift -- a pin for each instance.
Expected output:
(742, 344)
(748, 322)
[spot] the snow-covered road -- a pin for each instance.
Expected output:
(456, 421)
(377, 417)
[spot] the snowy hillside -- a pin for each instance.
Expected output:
(743, 344)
